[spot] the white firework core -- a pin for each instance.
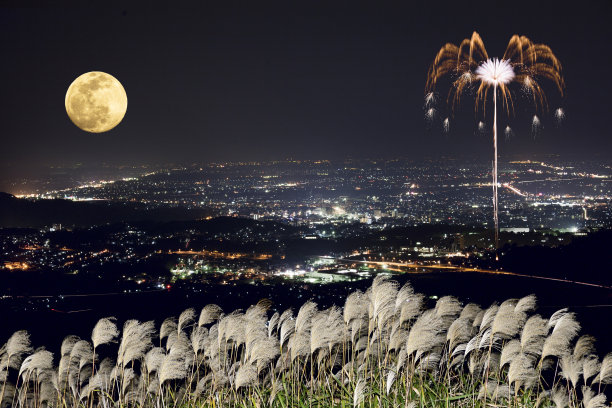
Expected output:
(495, 72)
(446, 125)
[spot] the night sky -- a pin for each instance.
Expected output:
(259, 80)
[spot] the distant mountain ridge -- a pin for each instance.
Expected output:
(26, 213)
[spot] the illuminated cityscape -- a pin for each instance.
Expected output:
(309, 221)
(535, 194)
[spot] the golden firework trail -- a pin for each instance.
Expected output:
(469, 66)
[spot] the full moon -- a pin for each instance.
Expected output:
(96, 102)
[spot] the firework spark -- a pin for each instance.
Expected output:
(446, 125)
(535, 125)
(508, 132)
(469, 66)
(481, 127)
(559, 115)
(430, 100)
(430, 114)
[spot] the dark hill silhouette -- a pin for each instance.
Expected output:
(585, 259)
(26, 213)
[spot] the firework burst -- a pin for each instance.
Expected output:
(469, 67)
(446, 125)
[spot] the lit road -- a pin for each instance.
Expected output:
(397, 267)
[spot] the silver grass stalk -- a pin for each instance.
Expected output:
(522, 372)
(459, 332)
(427, 333)
(212, 349)
(382, 301)
(82, 350)
(299, 345)
(246, 376)
(172, 367)
(287, 314)
(9, 394)
(495, 392)
(359, 392)
(565, 329)
(68, 343)
(533, 335)
(154, 359)
(303, 321)
(599, 401)
(355, 307)
(263, 352)
(358, 329)
(255, 327)
(327, 329)
(470, 311)
(571, 368)
(584, 347)
(554, 318)
(478, 319)
(129, 375)
(100, 382)
(590, 368)
(486, 340)
(488, 317)
(473, 344)
(587, 394)
(527, 304)
(168, 326)
(510, 351)
(185, 319)
(16, 346)
(448, 306)
(398, 336)
(36, 363)
(272, 323)
(209, 314)
(361, 344)
(429, 363)
(605, 373)
(403, 295)
(391, 375)
(287, 328)
(411, 309)
(135, 341)
(49, 389)
(508, 320)
(199, 337)
(559, 397)
(231, 328)
(104, 332)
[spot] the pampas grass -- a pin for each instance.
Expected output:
(384, 348)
